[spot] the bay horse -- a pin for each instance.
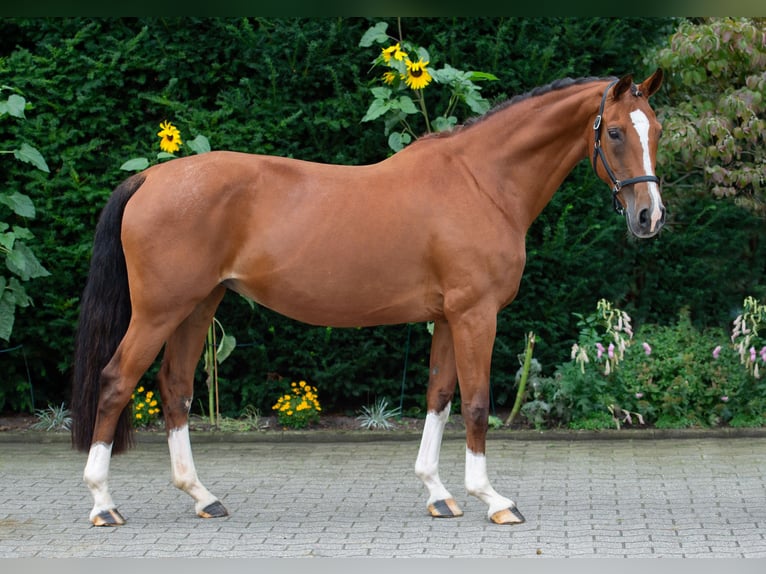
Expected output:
(435, 232)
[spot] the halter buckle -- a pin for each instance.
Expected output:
(617, 205)
(597, 123)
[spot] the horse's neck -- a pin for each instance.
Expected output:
(527, 150)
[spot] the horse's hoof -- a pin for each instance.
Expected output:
(110, 517)
(445, 509)
(509, 515)
(214, 510)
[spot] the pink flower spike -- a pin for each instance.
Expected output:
(647, 348)
(610, 352)
(724, 399)
(600, 349)
(763, 354)
(716, 351)
(639, 395)
(752, 354)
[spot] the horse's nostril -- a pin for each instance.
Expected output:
(662, 217)
(643, 217)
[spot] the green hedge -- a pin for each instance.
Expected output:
(299, 87)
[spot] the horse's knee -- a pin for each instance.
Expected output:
(475, 413)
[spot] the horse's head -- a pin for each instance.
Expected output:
(625, 136)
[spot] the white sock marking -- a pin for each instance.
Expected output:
(96, 475)
(477, 483)
(427, 463)
(182, 467)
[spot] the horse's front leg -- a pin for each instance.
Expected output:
(474, 336)
(176, 382)
(441, 387)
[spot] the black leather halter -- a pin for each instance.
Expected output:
(598, 152)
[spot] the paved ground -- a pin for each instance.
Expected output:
(700, 497)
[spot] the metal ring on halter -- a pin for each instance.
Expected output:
(598, 152)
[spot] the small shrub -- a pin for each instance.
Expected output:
(377, 416)
(53, 419)
(298, 408)
(249, 420)
(747, 421)
(145, 407)
(594, 421)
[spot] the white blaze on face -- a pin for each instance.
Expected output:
(641, 124)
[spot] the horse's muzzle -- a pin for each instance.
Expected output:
(648, 222)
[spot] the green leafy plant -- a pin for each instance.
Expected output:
(715, 128)
(18, 257)
(409, 71)
(594, 421)
(216, 351)
(299, 407)
(145, 407)
(750, 345)
(53, 418)
(521, 377)
(378, 415)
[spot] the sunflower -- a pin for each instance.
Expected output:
(417, 76)
(170, 137)
(394, 52)
(389, 78)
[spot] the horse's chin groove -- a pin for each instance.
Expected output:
(509, 515)
(641, 235)
(214, 510)
(447, 508)
(111, 517)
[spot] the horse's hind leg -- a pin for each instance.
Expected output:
(176, 382)
(138, 349)
(441, 387)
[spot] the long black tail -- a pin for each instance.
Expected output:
(104, 316)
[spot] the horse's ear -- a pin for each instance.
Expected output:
(651, 84)
(622, 86)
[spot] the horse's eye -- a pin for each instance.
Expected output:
(614, 133)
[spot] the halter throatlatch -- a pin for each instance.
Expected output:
(598, 152)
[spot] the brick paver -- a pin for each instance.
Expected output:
(701, 497)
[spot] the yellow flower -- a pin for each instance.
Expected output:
(302, 384)
(139, 415)
(149, 395)
(153, 403)
(394, 52)
(140, 390)
(170, 138)
(289, 413)
(389, 77)
(417, 76)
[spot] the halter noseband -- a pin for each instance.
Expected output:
(598, 152)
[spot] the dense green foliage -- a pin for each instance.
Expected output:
(299, 87)
(715, 118)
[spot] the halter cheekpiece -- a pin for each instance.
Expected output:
(598, 152)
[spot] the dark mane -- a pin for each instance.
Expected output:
(559, 84)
